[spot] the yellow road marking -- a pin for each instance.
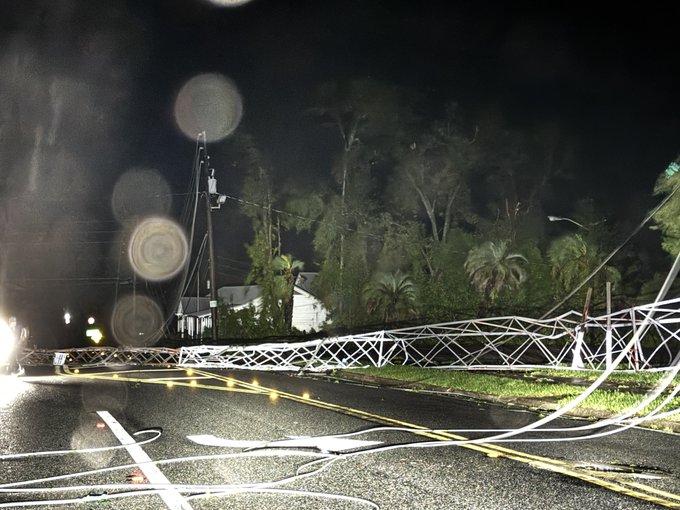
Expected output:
(632, 489)
(178, 381)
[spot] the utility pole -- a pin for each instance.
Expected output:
(213, 200)
(211, 262)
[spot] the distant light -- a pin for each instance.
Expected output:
(190, 371)
(12, 389)
(193, 382)
(230, 383)
(273, 395)
(67, 318)
(305, 396)
(94, 334)
(255, 383)
(90, 320)
(6, 342)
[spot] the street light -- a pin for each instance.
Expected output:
(559, 218)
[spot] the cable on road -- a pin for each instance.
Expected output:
(13, 456)
(322, 461)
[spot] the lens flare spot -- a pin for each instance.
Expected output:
(140, 192)
(137, 321)
(158, 249)
(208, 103)
(87, 437)
(228, 3)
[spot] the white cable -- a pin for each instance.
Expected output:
(614, 252)
(13, 456)
(290, 492)
(258, 453)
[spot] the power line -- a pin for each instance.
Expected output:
(306, 218)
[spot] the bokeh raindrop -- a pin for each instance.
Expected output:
(209, 103)
(140, 192)
(137, 321)
(158, 249)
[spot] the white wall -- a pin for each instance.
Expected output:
(308, 312)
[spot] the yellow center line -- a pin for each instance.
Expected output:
(165, 381)
(632, 489)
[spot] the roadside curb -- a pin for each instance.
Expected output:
(531, 404)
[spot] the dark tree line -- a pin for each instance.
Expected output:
(435, 217)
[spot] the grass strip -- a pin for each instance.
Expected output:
(472, 382)
(641, 378)
(612, 401)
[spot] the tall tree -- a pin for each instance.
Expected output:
(432, 171)
(492, 268)
(258, 205)
(666, 218)
(362, 111)
(258, 201)
(517, 172)
(286, 267)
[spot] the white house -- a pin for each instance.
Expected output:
(309, 314)
(193, 316)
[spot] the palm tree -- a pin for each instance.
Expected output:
(492, 268)
(573, 259)
(392, 295)
(286, 268)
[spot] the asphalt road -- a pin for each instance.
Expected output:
(212, 444)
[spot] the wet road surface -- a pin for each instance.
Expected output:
(157, 439)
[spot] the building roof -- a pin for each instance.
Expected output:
(239, 295)
(194, 306)
(305, 279)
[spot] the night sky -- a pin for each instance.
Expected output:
(89, 90)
